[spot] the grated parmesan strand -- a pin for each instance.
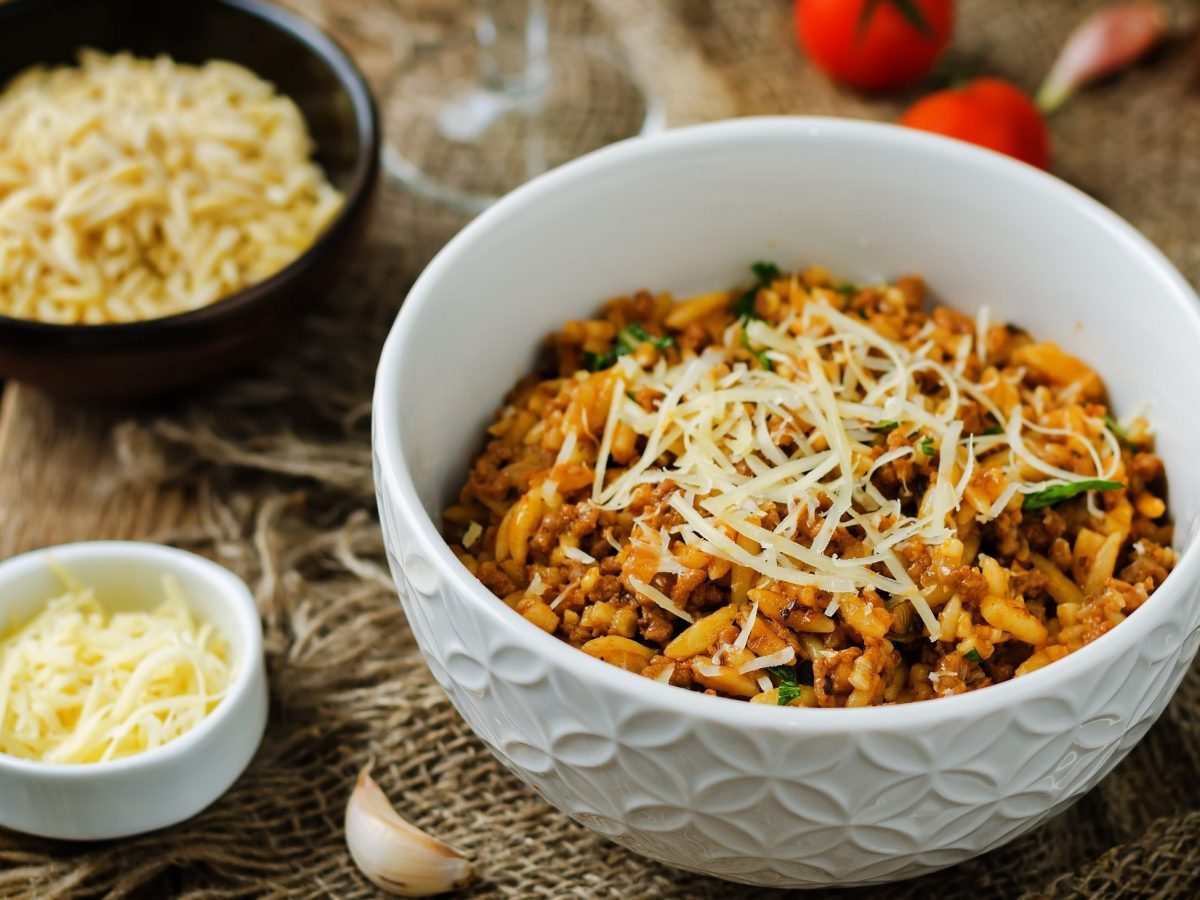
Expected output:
(82, 684)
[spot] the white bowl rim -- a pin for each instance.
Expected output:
(724, 711)
(231, 590)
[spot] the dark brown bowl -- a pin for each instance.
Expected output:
(157, 355)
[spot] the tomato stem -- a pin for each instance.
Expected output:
(906, 8)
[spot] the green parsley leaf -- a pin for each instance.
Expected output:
(846, 288)
(631, 337)
(1118, 430)
(594, 362)
(885, 427)
(787, 693)
(760, 355)
(785, 674)
(642, 336)
(744, 308)
(765, 272)
(632, 396)
(927, 446)
(973, 655)
(995, 429)
(789, 690)
(862, 314)
(1060, 492)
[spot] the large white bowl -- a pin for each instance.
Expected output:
(752, 793)
(94, 801)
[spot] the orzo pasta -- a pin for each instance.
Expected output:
(136, 188)
(811, 493)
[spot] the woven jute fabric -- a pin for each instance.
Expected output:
(269, 473)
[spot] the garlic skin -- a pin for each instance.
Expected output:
(1109, 40)
(396, 856)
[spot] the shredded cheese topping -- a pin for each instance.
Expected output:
(578, 555)
(657, 596)
(474, 530)
(80, 684)
(800, 437)
(783, 657)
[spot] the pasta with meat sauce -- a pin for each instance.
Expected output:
(813, 493)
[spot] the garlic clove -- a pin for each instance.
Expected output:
(395, 855)
(1109, 40)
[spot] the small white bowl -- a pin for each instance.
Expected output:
(95, 801)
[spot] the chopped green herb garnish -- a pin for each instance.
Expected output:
(789, 690)
(632, 396)
(1060, 492)
(1118, 430)
(785, 674)
(765, 272)
(594, 362)
(885, 427)
(846, 288)
(927, 446)
(631, 337)
(862, 314)
(995, 429)
(973, 655)
(642, 336)
(744, 308)
(760, 355)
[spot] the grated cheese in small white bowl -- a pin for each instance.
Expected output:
(132, 687)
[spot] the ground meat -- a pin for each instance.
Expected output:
(844, 650)
(495, 580)
(1042, 528)
(1151, 565)
(1145, 469)
(1005, 532)
(831, 676)
(974, 418)
(968, 584)
(694, 337)
(607, 587)
(1108, 606)
(685, 583)
(654, 626)
(1029, 583)
(485, 481)
(912, 290)
(949, 676)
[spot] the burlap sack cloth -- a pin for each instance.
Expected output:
(270, 473)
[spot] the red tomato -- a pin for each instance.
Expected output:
(874, 45)
(989, 112)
